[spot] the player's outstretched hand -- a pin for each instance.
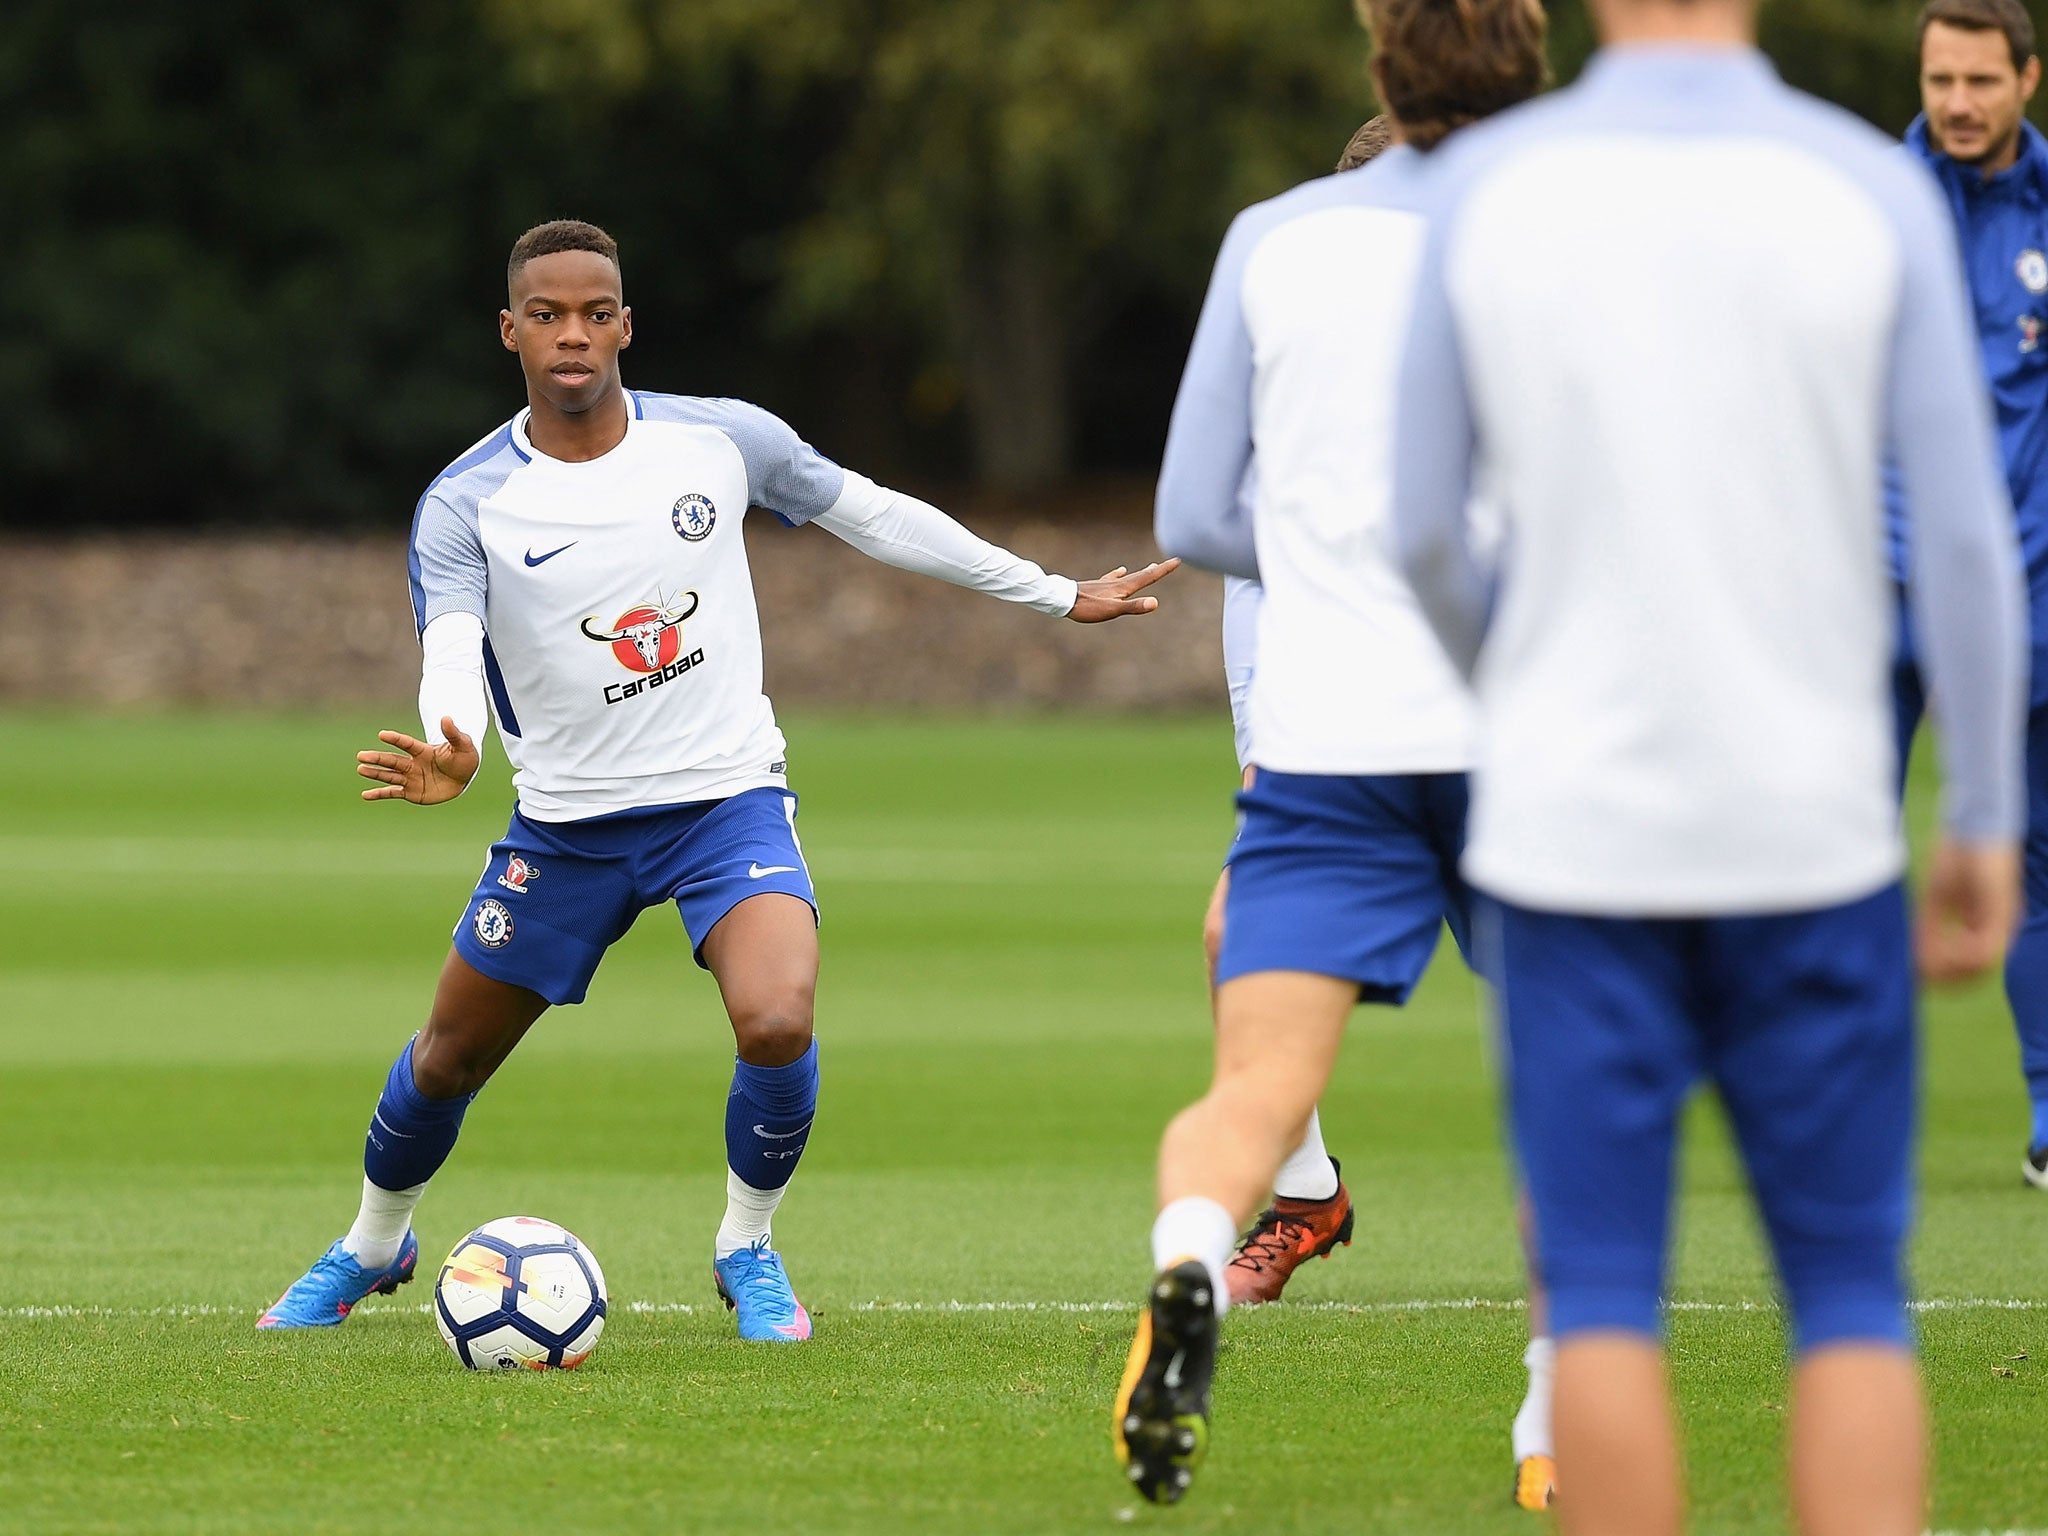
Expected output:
(1968, 909)
(1113, 596)
(418, 771)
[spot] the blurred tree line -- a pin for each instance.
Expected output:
(257, 249)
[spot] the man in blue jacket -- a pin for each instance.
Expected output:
(1977, 72)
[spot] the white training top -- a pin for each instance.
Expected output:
(1243, 598)
(1294, 362)
(1676, 314)
(619, 636)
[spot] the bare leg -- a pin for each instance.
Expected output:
(475, 1023)
(1616, 1443)
(1276, 1040)
(764, 956)
(1212, 924)
(1859, 1442)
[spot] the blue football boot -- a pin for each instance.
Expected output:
(751, 1283)
(328, 1292)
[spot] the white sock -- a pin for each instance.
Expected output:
(748, 1213)
(1308, 1173)
(1532, 1423)
(381, 1224)
(1195, 1227)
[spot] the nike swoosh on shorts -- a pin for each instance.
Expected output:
(756, 871)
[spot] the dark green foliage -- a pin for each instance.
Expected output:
(257, 252)
(256, 249)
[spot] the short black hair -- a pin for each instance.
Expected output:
(559, 235)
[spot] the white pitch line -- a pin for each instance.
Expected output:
(1419, 1304)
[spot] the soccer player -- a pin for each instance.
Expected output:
(1345, 872)
(1311, 1213)
(583, 567)
(1674, 315)
(1978, 70)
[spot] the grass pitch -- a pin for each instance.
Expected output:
(210, 951)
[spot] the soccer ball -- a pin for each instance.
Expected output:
(520, 1291)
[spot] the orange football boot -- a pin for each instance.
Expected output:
(1535, 1482)
(1286, 1236)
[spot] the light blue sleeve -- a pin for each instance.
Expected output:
(446, 559)
(1242, 599)
(1198, 514)
(785, 474)
(1966, 581)
(1434, 441)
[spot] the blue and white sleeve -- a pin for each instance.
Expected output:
(447, 567)
(1198, 514)
(1434, 440)
(785, 474)
(450, 584)
(1966, 581)
(1242, 599)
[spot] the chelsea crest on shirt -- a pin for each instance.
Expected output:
(622, 640)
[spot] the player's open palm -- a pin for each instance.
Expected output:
(425, 773)
(1117, 593)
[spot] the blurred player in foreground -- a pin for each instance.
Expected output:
(584, 567)
(1677, 313)
(1977, 73)
(1346, 870)
(1311, 1213)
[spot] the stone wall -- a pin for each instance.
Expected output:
(291, 622)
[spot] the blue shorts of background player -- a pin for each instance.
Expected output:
(2026, 962)
(556, 895)
(1803, 1022)
(1350, 876)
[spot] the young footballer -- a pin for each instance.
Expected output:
(1345, 872)
(1676, 315)
(583, 569)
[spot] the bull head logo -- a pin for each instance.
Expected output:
(644, 637)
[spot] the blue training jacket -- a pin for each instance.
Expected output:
(2002, 225)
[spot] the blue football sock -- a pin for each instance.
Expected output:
(411, 1135)
(2026, 988)
(768, 1119)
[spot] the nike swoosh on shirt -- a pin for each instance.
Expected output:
(756, 871)
(533, 559)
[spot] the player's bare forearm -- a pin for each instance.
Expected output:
(1115, 595)
(424, 773)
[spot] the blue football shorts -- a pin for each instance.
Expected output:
(556, 895)
(1346, 876)
(1803, 1022)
